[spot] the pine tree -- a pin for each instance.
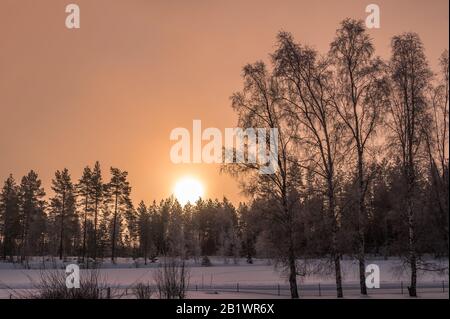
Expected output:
(97, 193)
(9, 216)
(131, 236)
(175, 231)
(63, 206)
(144, 230)
(191, 232)
(32, 216)
(155, 228)
(119, 195)
(85, 192)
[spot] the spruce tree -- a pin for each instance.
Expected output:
(31, 213)
(9, 216)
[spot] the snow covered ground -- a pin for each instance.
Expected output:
(258, 280)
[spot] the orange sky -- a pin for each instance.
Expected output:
(113, 90)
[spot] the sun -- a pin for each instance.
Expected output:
(188, 189)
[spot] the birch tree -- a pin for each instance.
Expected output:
(259, 105)
(306, 77)
(360, 99)
(410, 77)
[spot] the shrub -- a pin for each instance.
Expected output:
(52, 285)
(172, 279)
(143, 291)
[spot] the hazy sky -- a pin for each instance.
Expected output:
(114, 89)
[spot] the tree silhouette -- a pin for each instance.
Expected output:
(63, 204)
(260, 105)
(9, 216)
(119, 193)
(307, 79)
(32, 215)
(361, 97)
(84, 191)
(410, 77)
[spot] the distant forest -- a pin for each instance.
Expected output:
(363, 169)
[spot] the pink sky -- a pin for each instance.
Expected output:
(114, 89)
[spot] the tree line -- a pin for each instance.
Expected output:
(92, 219)
(362, 169)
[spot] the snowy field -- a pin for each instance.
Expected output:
(226, 279)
